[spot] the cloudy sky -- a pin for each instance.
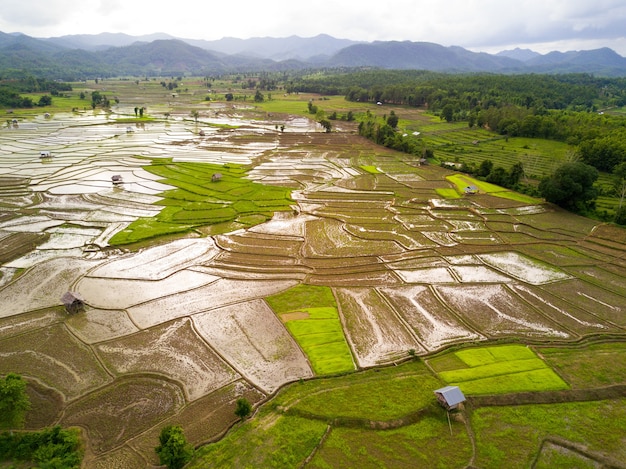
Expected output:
(479, 25)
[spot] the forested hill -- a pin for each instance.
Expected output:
(81, 57)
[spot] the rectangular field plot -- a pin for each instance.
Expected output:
(56, 358)
(591, 366)
(161, 350)
(251, 338)
(420, 445)
(496, 370)
(310, 314)
(430, 320)
(319, 333)
(604, 304)
(126, 408)
(523, 268)
(220, 293)
(563, 313)
(376, 333)
(602, 278)
(496, 312)
(328, 238)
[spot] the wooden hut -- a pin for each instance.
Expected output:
(73, 302)
(216, 177)
(450, 397)
(116, 180)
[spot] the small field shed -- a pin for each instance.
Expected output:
(73, 302)
(450, 397)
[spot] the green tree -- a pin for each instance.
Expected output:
(485, 167)
(619, 182)
(45, 100)
(515, 174)
(328, 126)
(447, 112)
(392, 120)
(173, 450)
(243, 408)
(195, 114)
(14, 402)
(258, 97)
(571, 186)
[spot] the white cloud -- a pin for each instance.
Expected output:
(475, 24)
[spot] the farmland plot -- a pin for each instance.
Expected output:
(173, 350)
(376, 334)
(431, 321)
(496, 312)
(176, 330)
(254, 342)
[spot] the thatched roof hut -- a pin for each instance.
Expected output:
(73, 302)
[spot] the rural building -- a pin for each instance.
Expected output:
(450, 397)
(216, 177)
(73, 302)
(116, 179)
(469, 190)
(45, 154)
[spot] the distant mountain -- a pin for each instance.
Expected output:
(603, 61)
(292, 47)
(278, 49)
(106, 55)
(420, 56)
(519, 54)
(95, 42)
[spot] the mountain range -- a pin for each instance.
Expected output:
(84, 56)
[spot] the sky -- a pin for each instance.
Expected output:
(477, 25)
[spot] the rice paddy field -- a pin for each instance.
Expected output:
(333, 283)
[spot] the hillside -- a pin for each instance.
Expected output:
(107, 55)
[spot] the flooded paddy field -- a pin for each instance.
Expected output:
(175, 330)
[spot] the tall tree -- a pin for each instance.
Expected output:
(571, 186)
(173, 450)
(14, 402)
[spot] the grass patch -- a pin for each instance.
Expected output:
(320, 335)
(447, 193)
(426, 444)
(497, 370)
(267, 441)
(591, 366)
(301, 296)
(370, 169)
(375, 397)
(199, 200)
(511, 436)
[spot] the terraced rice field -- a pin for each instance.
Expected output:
(177, 328)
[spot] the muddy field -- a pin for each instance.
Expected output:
(177, 331)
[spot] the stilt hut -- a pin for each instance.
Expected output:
(450, 397)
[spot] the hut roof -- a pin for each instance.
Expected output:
(70, 297)
(452, 395)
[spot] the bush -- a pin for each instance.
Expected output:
(243, 408)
